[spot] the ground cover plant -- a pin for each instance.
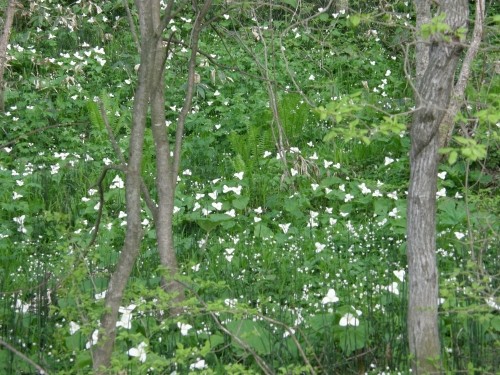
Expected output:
(288, 267)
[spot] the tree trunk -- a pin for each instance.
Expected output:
(342, 6)
(432, 97)
(423, 10)
(4, 40)
(103, 350)
(457, 98)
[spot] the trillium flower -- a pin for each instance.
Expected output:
(213, 195)
(400, 275)
(101, 295)
(139, 352)
(73, 328)
(388, 161)
(393, 195)
(327, 163)
(217, 205)
(284, 227)
(349, 320)
(459, 235)
(364, 189)
(126, 318)
(117, 183)
(442, 175)
(239, 175)
(441, 193)
(93, 340)
(184, 328)
(393, 288)
(229, 254)
(198, 365)
(331, 297)
(319, 247)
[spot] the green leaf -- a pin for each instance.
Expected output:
(207, 225)
(352, 338)
(252, 334)
(216, 340)
(452, 158)
(292, 3)
(354, 20)
(262, 230)
(241, 202)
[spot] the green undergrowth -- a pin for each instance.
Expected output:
(300, 267)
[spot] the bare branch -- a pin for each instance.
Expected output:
(9, 347)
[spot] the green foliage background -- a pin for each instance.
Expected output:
(260, 244)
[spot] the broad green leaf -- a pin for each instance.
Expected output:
(354, 20)
(253, 334)
(262, 230)
(241, 202)
(206, 224)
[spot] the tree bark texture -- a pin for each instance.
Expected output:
(4, 40)
(457, 97)
(150, 92)
(423, 10)
(432, 97)
(103, 350)
(167, 167)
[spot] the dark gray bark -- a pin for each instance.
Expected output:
(432, 97)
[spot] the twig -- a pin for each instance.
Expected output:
(262, 364)
(131, 23)
(39, 368)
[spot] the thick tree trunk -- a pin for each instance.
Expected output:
(423, 10)
(433, 96)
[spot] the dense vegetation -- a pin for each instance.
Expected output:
(298, 265)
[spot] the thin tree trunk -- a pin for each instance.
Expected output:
(432, 97)
(4, 40)
(167, 166)
(342, 6)
(107, 333)
(457, 98)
